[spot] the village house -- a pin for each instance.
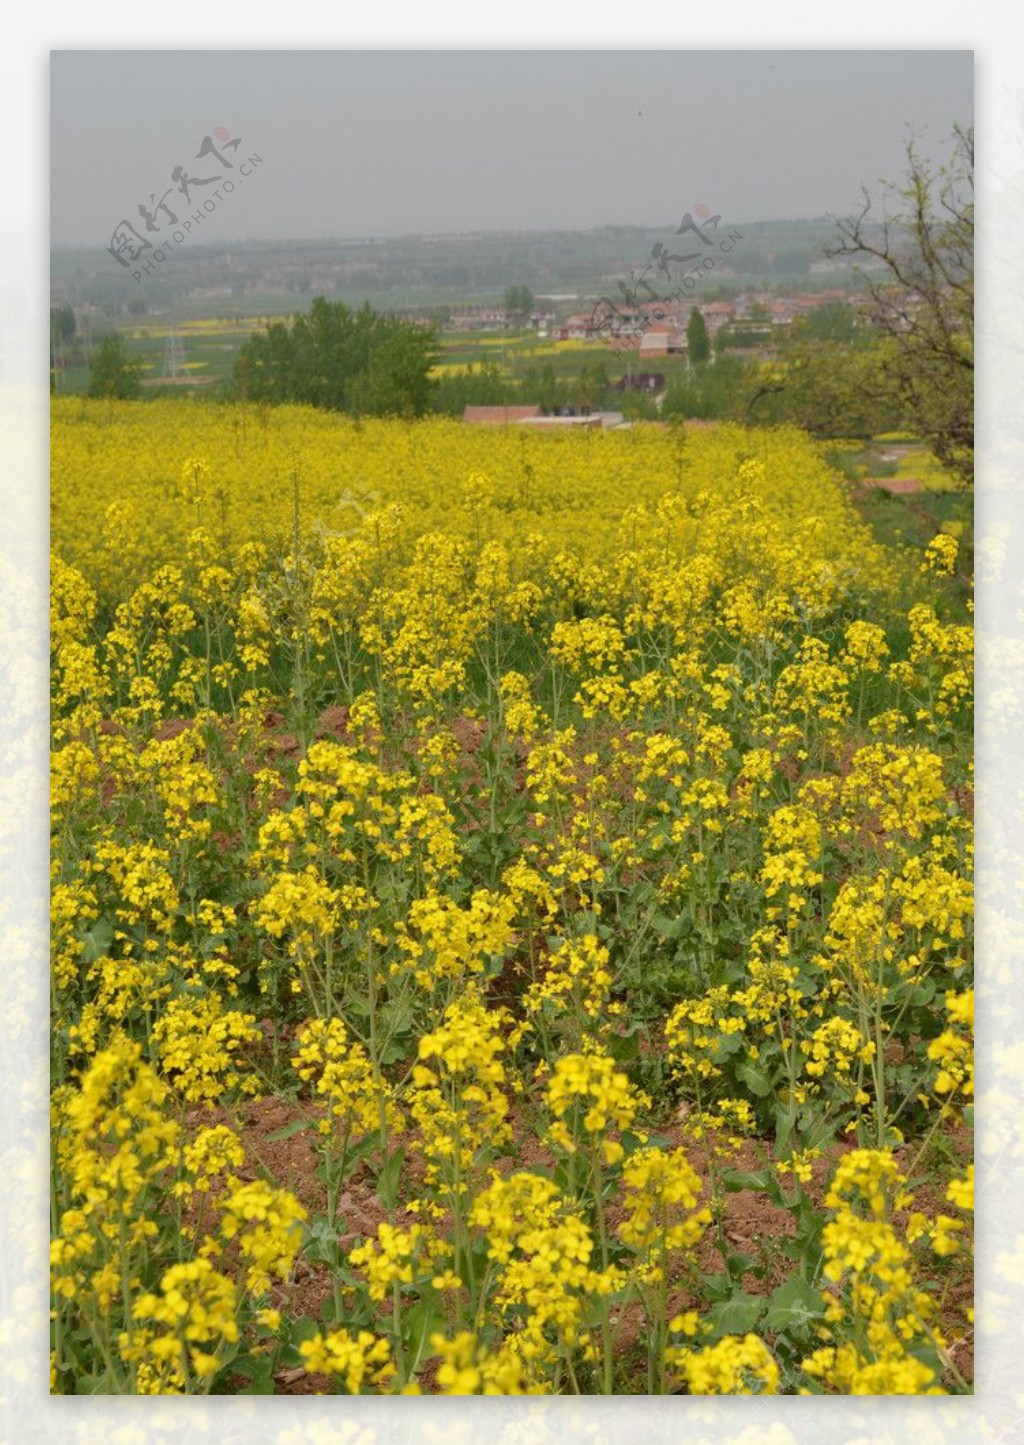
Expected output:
(579, 326)
(480, 318)
(593, 419)
(657, 340)
(716, 314)
(499, 415)
(653, 381)
(532, 416)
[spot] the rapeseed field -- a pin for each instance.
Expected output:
(511, 903)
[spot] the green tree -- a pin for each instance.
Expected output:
(547, 388)
(829, 388)
(708, 392)
(698, 346)
(62, 324)
(397, 379)
(361, 362)
(920, 294)
(584, 391)
(518, 303)
(831, 321)
(486, 385)
(639, 406)
(62, 336)
(112, 374)
(737, 333)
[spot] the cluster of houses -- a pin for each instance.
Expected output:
(532, 416)
(642, 332)
(495, 318)
(658, 327)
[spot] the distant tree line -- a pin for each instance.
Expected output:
(832, 375)
(904, 359)
(538, 383)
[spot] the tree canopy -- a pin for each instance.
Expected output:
(921, 294)
(359, 361)
(518, 303)
(829, 388)
(112, 374)
(698, 346)
(62, 324)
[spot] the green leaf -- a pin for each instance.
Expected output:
(302, 1329)
(785, 1119)
(389, 1177)
(393, 1052)
(321, 1244)
(736, 1180)
(717, 1286)
(669, 927)
(739, 1264)
(295, 1127)
(624, 1047)
(736, 1315)
(418, 1324)
(258, 1370)
(97, 941)
(92, 1384)
(651, 1140)
(793, 1305)
(815, 1129)
(755, 1078)
(805, 1246)
(923, 992)
(729, 1044)
(329, 1314)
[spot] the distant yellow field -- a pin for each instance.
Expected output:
(535, 493)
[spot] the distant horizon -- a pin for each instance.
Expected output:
(369, 237)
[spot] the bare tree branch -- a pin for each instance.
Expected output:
(925, 300)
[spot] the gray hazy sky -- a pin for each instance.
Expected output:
(359, 143)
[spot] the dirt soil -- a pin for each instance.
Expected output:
(751, 1223)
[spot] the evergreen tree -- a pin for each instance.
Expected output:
(697, 342)
(112, 374)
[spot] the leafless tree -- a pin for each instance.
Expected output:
(918, 271)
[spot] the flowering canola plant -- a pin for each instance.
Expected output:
(551, 826)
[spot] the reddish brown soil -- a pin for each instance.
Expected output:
(750, 1222)
(899, 486)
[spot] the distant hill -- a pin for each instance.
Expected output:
(424, 272)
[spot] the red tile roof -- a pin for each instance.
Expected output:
(498, 415)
